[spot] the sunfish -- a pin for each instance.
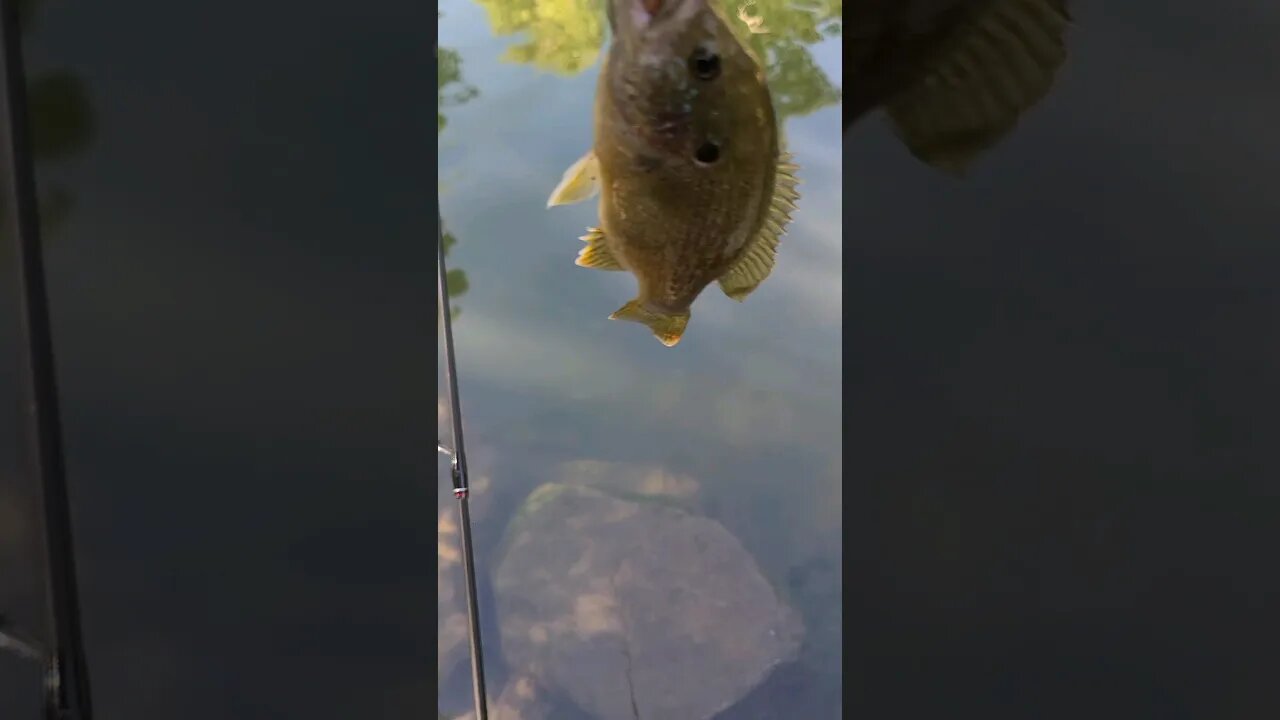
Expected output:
(694, 186)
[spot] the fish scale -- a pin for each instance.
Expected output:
(690, 259)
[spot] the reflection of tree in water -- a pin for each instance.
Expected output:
(455, 280)
(798, 85)
(62, 126)
(451, 91)
(565, 37)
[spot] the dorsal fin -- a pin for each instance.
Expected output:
(1000, 63)
(757, 260)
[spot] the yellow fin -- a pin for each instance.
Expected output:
(580, 182)
(667, 328)
(1000, 63)
(757, 260)
(596, 254)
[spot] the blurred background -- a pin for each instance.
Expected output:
(1061, 388)
(240, 286)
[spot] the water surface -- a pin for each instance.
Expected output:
(748, 404)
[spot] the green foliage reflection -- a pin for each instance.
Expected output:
(451, 90)
(565, 37)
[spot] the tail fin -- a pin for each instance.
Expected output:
(668, 328)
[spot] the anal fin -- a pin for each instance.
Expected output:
(596, 254)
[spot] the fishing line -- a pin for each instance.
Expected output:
(67, 678)
(458, 470)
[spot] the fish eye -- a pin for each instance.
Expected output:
(705, 65)
(707, 153)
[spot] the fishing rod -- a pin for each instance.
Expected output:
(67, 678)
(458, 470)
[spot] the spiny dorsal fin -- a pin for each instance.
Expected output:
(596, 254)
(757, 261)
(1000, 64)
(580, 182)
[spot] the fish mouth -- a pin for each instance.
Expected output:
(643, 13)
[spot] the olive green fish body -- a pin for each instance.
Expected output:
(686, 158)
(678, 224)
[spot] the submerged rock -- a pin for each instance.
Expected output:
(633, 608)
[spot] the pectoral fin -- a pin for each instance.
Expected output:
(596, 254)
(999, 64)
(757, 260)
(668, 328)
(580, 182)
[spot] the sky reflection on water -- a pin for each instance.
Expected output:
(748, 404)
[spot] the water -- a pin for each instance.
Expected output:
(748, 405)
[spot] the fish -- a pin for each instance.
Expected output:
(954, 77)
(694, 185)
